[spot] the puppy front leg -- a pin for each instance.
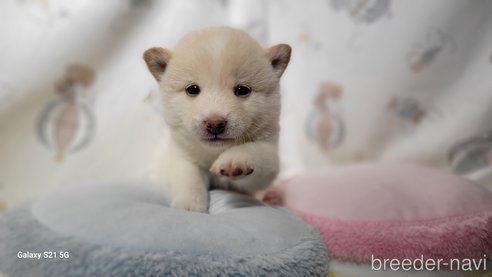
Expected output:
(249, 167)
(187, 184)
(188, 187)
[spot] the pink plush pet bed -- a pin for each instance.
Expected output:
(371, 212)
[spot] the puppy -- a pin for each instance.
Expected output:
(221, 102)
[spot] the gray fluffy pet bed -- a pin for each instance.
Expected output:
(128, 229)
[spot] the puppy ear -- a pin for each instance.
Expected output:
(279, 56)
(157, 59)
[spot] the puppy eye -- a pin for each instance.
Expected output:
(193, 90)
(242, 91)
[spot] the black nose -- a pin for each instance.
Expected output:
(215, 125)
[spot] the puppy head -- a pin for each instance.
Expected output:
(219, 86)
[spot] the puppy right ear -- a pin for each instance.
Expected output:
(157, 59)
(279, 56)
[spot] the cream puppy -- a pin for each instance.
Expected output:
(221, 102)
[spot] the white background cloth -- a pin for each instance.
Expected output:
(394, 81)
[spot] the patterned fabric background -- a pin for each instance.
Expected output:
(368, 80)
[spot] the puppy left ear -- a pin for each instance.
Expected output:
(279, 56)
(157, 59)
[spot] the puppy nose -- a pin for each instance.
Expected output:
(215, 124)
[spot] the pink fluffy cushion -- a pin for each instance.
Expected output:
(393, 211)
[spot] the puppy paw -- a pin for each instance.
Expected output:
(273, 196)
(189, 203)
(232, 165)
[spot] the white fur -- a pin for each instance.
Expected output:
(218, 59)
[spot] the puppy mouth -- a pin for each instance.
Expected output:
(216, 141)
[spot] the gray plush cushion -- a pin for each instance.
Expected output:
(128, 229)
